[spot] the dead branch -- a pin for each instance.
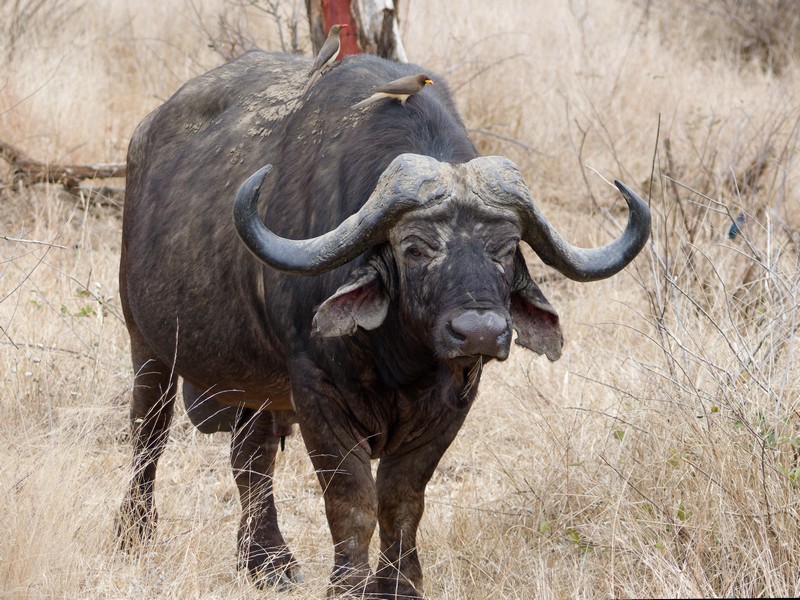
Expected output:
(24, 241)
(29, 171)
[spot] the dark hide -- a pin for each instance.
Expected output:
(390, 363)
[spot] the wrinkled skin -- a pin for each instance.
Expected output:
(416, 378)
(376, 358)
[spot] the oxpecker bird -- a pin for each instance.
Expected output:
(399, 89)
(327, 54)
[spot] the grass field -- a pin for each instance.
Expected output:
(657, 458)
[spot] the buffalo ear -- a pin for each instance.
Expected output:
(361, 302)
(532, 316)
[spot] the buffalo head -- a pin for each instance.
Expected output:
(453, 233)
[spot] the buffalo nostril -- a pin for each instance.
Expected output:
(480, 332)
(457, 336)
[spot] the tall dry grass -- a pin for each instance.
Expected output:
(657, 458)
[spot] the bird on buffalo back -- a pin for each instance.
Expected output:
(399, 89)
(326, 55)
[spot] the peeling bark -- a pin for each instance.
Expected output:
(378, 31)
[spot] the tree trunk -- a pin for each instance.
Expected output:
(378, 31)
(322, 14)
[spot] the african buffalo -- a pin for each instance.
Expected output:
(369, 272)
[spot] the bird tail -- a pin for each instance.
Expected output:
(311, 80)
(370, 100)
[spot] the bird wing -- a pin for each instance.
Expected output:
(328, 51)
(404, 85)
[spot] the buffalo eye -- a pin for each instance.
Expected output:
(503, 255)
(418, 250)
(503, 252)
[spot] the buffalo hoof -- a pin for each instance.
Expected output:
(134, 526)
(364, 594)
(280, 581)
(399, 594)
(276, 570)
(396, 590)
(348, 582)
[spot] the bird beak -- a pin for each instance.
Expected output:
(344, 26)
(429, 82)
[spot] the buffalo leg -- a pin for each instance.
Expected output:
(150, 417)
(401, 485)
(343, 468)
(262, 549)
(350, 507)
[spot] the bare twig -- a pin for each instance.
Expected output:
(24, 241)
(510, 140)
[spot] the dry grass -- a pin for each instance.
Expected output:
(657, 458)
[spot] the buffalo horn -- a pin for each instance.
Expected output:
(502, 183)
(410, 181)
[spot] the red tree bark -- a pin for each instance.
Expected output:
(372, 26)
(322, 14)
(338, 11)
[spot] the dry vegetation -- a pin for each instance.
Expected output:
(658, 457)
